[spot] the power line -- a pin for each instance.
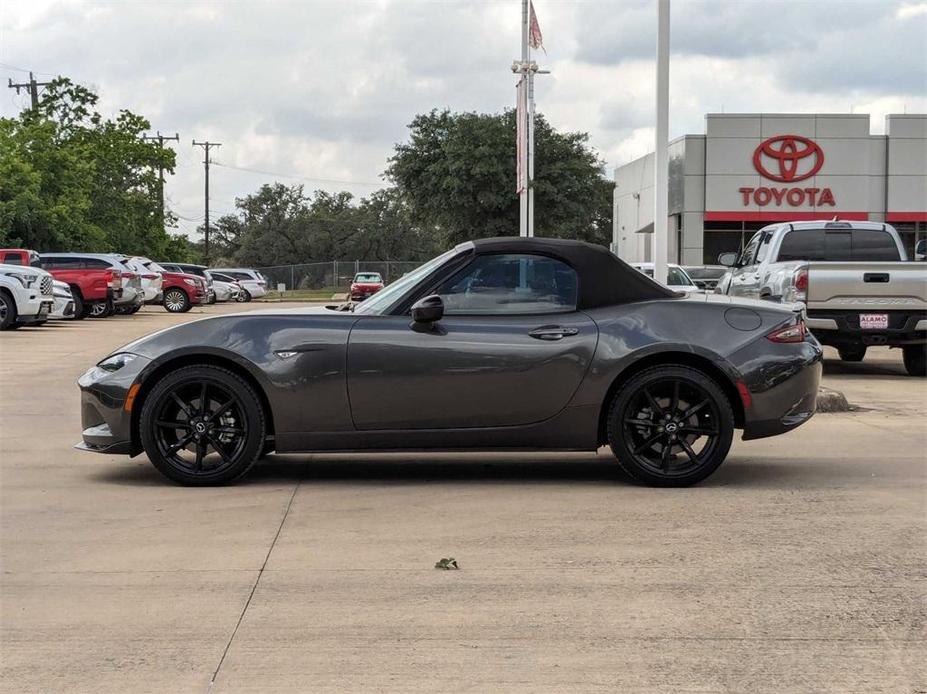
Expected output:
(301, 178)
(206, 145)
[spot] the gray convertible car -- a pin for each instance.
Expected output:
(508, 344)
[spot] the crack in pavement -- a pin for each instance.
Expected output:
(257, 580)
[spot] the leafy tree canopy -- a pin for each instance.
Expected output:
(72, 180)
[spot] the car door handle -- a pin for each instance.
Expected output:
(552, 332)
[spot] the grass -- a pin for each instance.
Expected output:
(301, 295)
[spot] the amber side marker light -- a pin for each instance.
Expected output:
(130, 398)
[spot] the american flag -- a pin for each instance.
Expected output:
(535, 39)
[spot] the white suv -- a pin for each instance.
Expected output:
(26, 296)
(253, 283)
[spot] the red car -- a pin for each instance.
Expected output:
(365, 284)
(180, 291)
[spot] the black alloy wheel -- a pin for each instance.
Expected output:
(202, 425)
(670, 426)
(176, 301)
(7, 310)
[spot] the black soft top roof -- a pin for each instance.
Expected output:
(604, 279)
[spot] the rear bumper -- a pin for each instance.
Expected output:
(840, 328)
(784, 392)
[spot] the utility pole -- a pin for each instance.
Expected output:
(524, 114)
(661, 155)
(32, 87)
(161, 139)
(206, 145)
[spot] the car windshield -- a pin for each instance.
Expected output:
(385, 298)
(367, 277)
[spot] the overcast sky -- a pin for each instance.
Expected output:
(322, 90)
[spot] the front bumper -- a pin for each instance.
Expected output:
(35, 310)
(105, 421)
(783, 389)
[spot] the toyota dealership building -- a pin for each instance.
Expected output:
(750, 170)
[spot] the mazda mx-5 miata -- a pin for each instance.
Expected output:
(501, 344)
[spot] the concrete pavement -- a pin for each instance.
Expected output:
(798, 567)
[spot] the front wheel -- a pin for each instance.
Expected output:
(915, 359)
(243, 297)
(176, 301)
(852, 352)
(7, 310)
(670, 426)
(202, 425)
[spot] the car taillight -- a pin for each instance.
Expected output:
(150, 277)
(800, 282)
(261, 282)
(794, 332)
(114, 278)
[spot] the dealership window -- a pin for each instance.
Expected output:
(510, 284)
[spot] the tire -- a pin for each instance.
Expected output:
(101, 309)
(643, 416)
(852, 352)
(7, 310)
(135, 309)
(80, 309)
(182, 455)
(244, 296)
(176, 300)
(915, 359)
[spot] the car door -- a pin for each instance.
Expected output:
(511, 349)
(745, 278)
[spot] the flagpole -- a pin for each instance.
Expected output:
(661, 155)
(530, 151)
(523, 145)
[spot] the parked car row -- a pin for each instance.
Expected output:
(38, 287)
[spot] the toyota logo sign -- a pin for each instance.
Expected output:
(788, 158)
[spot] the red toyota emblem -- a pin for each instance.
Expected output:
(789, 152)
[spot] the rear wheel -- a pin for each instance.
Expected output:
(852, 352)
(243, 296)
(176, 301)
(101, 309)
(7, 310)
(915, 359)
(202, 425)
(670, 426)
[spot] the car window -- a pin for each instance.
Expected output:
(12, 259)
(869, 244)
(510, 284)
(367, 277)
(763, 249)
(676, 277)
(749, 252)
(96, 263)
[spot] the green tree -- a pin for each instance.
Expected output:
(73, 180)
(457, 175)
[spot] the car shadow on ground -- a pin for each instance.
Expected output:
(836, 367)
(456, 468)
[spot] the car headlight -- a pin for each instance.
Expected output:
(111, 364)
(192, 283)
(26, 279)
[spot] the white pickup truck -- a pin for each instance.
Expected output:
(853, 279)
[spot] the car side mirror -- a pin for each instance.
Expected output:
(429, 309)
(728, 259)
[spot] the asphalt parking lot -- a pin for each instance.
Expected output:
(800, 566)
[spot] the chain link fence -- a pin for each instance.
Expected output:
(334, 275)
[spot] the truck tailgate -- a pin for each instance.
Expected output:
(878, 286)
